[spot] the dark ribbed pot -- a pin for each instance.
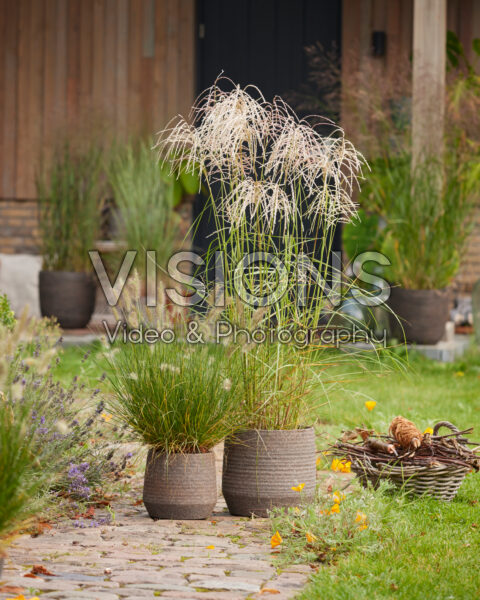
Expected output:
(2, 560)
(260, 468)
(68, 296)
(180, 486)
(422, 314)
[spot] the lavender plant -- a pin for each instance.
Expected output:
(63, 425)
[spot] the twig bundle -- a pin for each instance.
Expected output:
(434, 450)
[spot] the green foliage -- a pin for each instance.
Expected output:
(69, 195)
(425, 549)
(20, 477)
(334, 524)
(60, 420)
(7, 316)
(361, 235)
(177, 397)
(427, 214)
(145, 196)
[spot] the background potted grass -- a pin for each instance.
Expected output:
(145, 198)
(277, 186)
(179, 400)
(69, 211)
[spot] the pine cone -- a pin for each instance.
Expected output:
(406, 433)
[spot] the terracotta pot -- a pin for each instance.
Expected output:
(422, 313)
(68, 296)
(261, 467)
(180, 486)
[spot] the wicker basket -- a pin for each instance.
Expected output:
(440, 481)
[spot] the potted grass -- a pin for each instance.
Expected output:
(69, 215)
(179, 401)
(427, 212)
(270, 462)
(145, 198)
(277, 186)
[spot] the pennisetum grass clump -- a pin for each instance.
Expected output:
(277, 185)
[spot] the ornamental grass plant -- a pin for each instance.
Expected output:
(70, 195)
(177, 397)
(20, 476)
(277, 186)
(145, 199)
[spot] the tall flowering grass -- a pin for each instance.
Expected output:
(277, 185)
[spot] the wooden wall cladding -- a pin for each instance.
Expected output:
(118, 67)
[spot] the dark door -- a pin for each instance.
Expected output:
(260, 42)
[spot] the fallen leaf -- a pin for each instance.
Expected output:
(269, 591)
(41, 570)
(31, 575)
(11, 589)
(211, 547)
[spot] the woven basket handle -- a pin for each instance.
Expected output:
(445, 424)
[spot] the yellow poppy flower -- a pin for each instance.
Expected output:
(106, 417)
(362, 527)
(276, 540)
(337, 497)
(361, 518)
(310, 537)
(318, 462)
(298, 488)
(370, 404)
(210, 547)
(459, 374)
(428, 430)
(335, 509)
(342, 466)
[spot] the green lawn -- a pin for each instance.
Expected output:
(414, 548)
(427, 549)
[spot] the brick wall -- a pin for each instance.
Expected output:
(18, 227)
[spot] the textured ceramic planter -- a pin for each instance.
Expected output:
(180, 486)
(2, 561)
(422, 313)
(261, 467)
(68, 296)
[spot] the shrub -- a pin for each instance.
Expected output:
(7, 316)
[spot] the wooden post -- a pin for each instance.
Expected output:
(429, 64)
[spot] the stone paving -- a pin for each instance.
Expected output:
(134, 557)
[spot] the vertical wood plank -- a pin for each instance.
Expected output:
(3, 81)
(429, 58)
(122, 68)
(109, 67)
(35, 99)
(171, 84)
(49, 112)
(85, 87)
(134, 66)
(10, 107)
(159, 68)
(23, 124)
(98, 54)
(73, 65)
(147, 60)
(186, 53)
